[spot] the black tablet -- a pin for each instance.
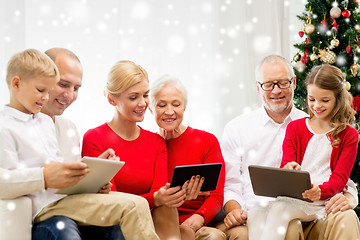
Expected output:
(210, 171)
(274, 182)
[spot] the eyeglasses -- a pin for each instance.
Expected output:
(269, 86)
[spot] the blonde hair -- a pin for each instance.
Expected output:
(165, 81)
(331, 78)
(30, 63)
(122, 75)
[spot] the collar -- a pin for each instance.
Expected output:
(24, 117)
(265, 119)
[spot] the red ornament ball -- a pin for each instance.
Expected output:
(345, 13)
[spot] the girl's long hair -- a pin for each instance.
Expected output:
(331, 78)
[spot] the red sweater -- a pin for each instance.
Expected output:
(197, 147)
(342, 159)
(145, 159)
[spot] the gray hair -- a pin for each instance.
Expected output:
(270, 60)
(164, 81)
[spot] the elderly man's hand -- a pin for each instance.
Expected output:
(339, 202)
(235, 218)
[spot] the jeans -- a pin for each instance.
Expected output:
(64, 228)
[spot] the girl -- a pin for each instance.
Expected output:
(323, 144)
(144, 152)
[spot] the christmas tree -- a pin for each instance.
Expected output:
(331, 34)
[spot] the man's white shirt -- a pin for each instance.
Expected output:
(254, 139)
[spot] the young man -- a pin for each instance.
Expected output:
(33, 164)
(256, 138)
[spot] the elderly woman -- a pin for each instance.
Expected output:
(186, 146)
(144, 152)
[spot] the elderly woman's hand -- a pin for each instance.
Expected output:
(339, 202)
(193, 187)
(170, 197)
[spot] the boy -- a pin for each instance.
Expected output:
(27, 142)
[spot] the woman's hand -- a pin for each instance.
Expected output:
(293, 166)
(170, 197)
(313, 194)
(106, 188)
(194, 222)
(109, 154)
(339, 202)
(193, 187)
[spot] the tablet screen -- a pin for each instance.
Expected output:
(210, 171)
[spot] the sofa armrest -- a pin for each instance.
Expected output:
(16, 218)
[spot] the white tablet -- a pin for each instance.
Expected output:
(101, 172)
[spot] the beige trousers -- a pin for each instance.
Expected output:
(130, 211)
(341, 225)
(209, 233)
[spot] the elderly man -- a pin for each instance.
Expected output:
(60, 175)
(256, 138)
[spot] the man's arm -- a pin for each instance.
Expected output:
(343, 202)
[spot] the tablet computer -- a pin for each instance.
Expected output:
(101, 172)
(274, 182)
(210, 171)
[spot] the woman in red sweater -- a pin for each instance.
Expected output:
(187, 146)
(144, 152)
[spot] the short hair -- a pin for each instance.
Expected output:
(53, 53)
(331, 78)
(123, 75)
(270, 60)
(30, 63)
(164, 81)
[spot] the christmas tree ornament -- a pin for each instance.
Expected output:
(345, 13)
(305, 58)
(307, 41)
(313, 57)
(347, 85)
(324, 20)
(354, 68)
(334, 42)
(300, 66)
(309, 28)
(327, 56)
(335, 12)
(335, 25)
(301, 33)
(296, 57)
(348, 49)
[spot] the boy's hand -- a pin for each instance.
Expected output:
(313, 194)
(62, 175)
(109, 154)
(293, 166)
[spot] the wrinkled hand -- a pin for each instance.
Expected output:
(194, 222)
(293, 166)
(339, 202)
(170, 197)
(313, 193)
(62, 175)
(193, 187)
(109, 154)
(235, 218)
(106, 188)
